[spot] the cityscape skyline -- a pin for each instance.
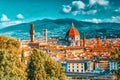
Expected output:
(59, 39)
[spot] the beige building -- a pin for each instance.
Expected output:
(76, 66)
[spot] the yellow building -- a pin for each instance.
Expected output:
(104, 64)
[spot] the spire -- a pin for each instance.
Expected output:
(84, 40)
(72, 24)
(97, 41)
(84, 36)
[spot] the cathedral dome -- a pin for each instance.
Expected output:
(72, 32)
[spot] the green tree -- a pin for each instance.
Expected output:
(36, 67)
(116, 56)
(8, 43)
(13, 43)
(10, 66)
(42, 67)
(3, 41)
(54, 69)
(39, 67)
(22, 56)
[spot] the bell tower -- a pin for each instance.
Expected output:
(32, 31)
(44, 34)
(98, 44)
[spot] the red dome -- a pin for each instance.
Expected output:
(72, 32)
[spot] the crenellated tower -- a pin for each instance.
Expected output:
(32, 31)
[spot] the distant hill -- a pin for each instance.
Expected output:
(59, 27)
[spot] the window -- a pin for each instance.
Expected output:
(73, 70)
(77, 70)
(69, 70)
(81, 70)
(77, 66)
(69, 66)
(72, 37)
(81, 66)
(72, 66)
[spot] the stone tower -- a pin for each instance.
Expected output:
(32, 31)
(44, 34)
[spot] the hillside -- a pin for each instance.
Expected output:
(59, 27)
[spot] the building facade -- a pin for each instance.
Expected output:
(75, 66)
(89, 66)
(113, 65)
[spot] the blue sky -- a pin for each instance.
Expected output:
(18, 11)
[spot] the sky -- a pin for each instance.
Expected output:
(19, 11)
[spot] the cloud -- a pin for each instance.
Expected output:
(76, 12)
(89, 12)
(100, 2)
(5, 21)
(78, 4)
(20, 16)
(103, 2)
(4, 18)
(10, 23)
(117, 10)
(92, 2)
(114, 19)
(66, 8)
(94, 7)
(94, 20)
(74, 7)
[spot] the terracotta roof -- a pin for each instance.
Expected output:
(25, 48)
(72, 32)
(76, 61)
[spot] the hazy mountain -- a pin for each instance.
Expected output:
(59, 27)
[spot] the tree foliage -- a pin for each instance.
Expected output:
(3, 41)
(54, 69)
(10, 66)
(8, 43)
(42, 67)
(36, 67)
(39, 67)
(116, 56)
(13, 43)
